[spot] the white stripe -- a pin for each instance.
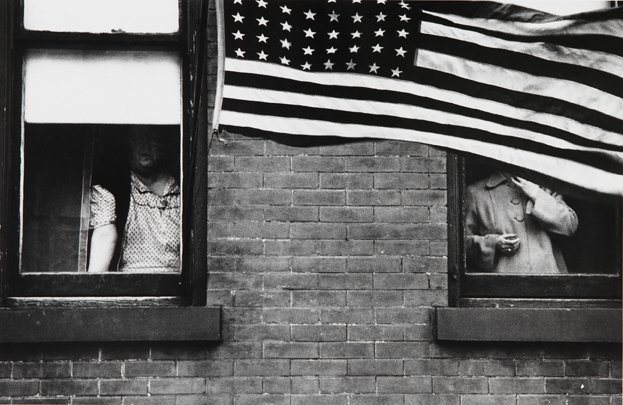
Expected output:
(613, 27)
(597, 60)
(402, 111)
(571, 172)
(523, 82)
(355, 80)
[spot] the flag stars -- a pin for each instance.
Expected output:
(286, 27)
(357, 18)
(238, 35)
(284, 61)
(379, 33)
(350, 65)
(238, 2)
(308, 50)
(261, 3)
(333, 34)
(262, 21)
(262, 38)
(380, 17)
(309, 33)
(285, 9)
(309, 15)
(262, 56)
(354, 49)
(404, 5)
(331, 50)
(404, 18)
(400, 52)
(377, 48)
(402, 33)
(333, 16)
(240, 53)
(356, 1)
(396, 72)
(285, 43)
(306, 66)
(356, 34)
(380, 1)
(328, 65)
(374, 68)
(238, 18)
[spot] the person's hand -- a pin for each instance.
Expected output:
(507, 244)
(530, 189)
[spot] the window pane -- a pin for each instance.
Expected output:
(102, 16)
(118, 87)
(101, 198)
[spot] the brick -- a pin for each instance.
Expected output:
(366, 399)
(262, 298)
(400, 281)
(400, 148)
(291, 180)
(397, 350)
(200, 399)
(235, 247)
(487, 367)
(375, 367)
(123, 387)
(421, 264)
(438, 181)
(317, 231)
(235, 280)
(235, 180)
(220, 164)
(424, 197)
(46, 401)
(319, 333)
(262, 264)
(615, 369)
(431, 399)
(348, 149)
(586, 368)
(205, 368)
(290, 281)
(397, 231)
(346, 181)
(276, 385)
(347, 315)
(374, 298)
(460, 385)
(291, 315)
(605, 386)
(346, 248)
(372, 197)
(318, 164)
(262, 197)
(401, 247)
(400, 181)
(375, 332)
(242, 315)
(487, 400)
(566, 385)
(418, 332)
(291, 350)
(68, 387)
(438, 214)
(404, 385)
(345, 281)
(401, 214)
(262, 163)
(346, 214)
(319, 197)
(234, 385)
(318, 298)
(319, 400)
(319, 264)
(261, 367)
(5, 370)
(149, 400)
(545, 368)
(291, 214)
(41, 370)
(236, 350)
(292, 247)
(115, 400)
(438, 281)
(183, 351)
(441, 367)
(219, 197)
(517, 385)
(588, 400)
(402, 315)
(426, 298)
(423, 164)
(373, 264)
(19, 388)
(372, 164)
(541, 400)
(177, 386)
(349, 385)
(249, 229)
(305, 385)
(150, 369)
(318, 367)
(346, 350)
(277, 148)
(235, 147)
(263, 399)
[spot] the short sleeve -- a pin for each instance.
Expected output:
(102, 207)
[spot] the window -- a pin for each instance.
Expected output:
(103, 125)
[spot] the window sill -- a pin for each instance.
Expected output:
(110, 324)
(529, 324)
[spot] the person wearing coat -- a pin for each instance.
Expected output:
(509, 222)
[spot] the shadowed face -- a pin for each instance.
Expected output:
(146, 153)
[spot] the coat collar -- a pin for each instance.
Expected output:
(495, 179)
(171, 187)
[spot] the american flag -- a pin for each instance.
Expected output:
(515, 85)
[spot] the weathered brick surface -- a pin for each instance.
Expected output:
(327, 260)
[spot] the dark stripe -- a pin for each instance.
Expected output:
(360, 93)
(594, 42)
(594, 159)
(606, 82)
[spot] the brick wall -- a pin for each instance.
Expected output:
(328, 261)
